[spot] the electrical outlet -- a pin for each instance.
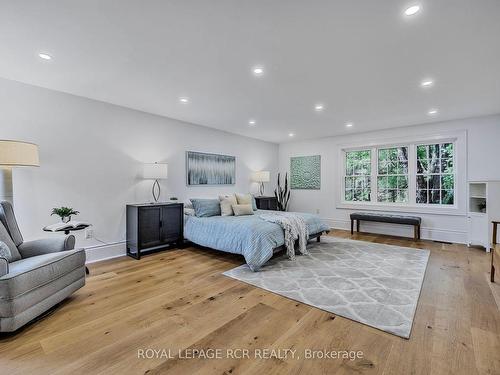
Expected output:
(89, 233)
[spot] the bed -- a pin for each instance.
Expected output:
(249, 235)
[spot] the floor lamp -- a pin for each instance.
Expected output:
(14, 154)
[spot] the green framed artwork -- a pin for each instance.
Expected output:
(305, 172)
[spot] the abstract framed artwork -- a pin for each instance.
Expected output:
(305, 172)
(210, 169)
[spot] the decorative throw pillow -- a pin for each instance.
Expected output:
(5, 252)
(226, 203)
(206, 207)
(5, 238)
(242, 209)
(189, 211)
(247, 199)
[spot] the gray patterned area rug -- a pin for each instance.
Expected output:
(375, 284)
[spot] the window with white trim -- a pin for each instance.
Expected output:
(392, 178)
(418, 174)
(435, 175)
(357, 176)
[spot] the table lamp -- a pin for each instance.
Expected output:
(155, 171)
(261, 177)
(14, 154)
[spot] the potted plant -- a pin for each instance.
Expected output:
(64, 213)
(282, 194)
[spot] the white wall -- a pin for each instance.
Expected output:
(91, 156)
(483, 138)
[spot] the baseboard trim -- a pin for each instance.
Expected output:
(434, 234)
(105, 251)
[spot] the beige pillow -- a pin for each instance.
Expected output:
(242, 209)
(244, 198)
(226, 203)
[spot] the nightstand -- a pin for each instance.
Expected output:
(154, 227)
(267, 203)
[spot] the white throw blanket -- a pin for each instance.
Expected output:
(294, 227)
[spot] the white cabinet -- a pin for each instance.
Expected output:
(483, 208)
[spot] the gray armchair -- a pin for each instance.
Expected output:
(34, 275)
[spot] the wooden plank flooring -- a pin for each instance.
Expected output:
(179, 300)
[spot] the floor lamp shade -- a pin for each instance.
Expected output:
(18, 154)
(14, 154)
(155, 171)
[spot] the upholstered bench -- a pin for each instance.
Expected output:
(386, 218)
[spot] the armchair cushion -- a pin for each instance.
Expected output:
(4, 267)
(28, 274)
(5, 238)
(29, 249)
(9, 221)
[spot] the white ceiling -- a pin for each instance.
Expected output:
(363, 59)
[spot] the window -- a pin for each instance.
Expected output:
(358, 176)
(412, 174)
(435, 175)
(392, 178)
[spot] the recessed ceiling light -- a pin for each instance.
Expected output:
(251, 122)
(319, 107)
(291, 134)
(184, 100)
(349, 125)
(414, 9)
(427, 83)
(432, 112)
(258, 70)
(44, 56)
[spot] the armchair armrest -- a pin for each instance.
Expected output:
(4, 267)
(46, 245)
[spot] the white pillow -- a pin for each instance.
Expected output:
(226, 203)
(189, 211)
(242, 209)
(188, 204)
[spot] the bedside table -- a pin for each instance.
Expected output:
(154, 227)
(267, 203)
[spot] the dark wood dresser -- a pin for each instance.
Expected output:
(267, 203)
(154, 227)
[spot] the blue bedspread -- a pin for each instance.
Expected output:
(249, 235)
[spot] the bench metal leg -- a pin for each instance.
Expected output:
(416, 232)
(352, 226)
(357, 225)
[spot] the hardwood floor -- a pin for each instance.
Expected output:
(178, 300)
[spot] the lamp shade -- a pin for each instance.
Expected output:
(155, 171)
(18, 154)
(261, 176)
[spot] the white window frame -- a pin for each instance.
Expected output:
(377, 174)
(458, 138)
